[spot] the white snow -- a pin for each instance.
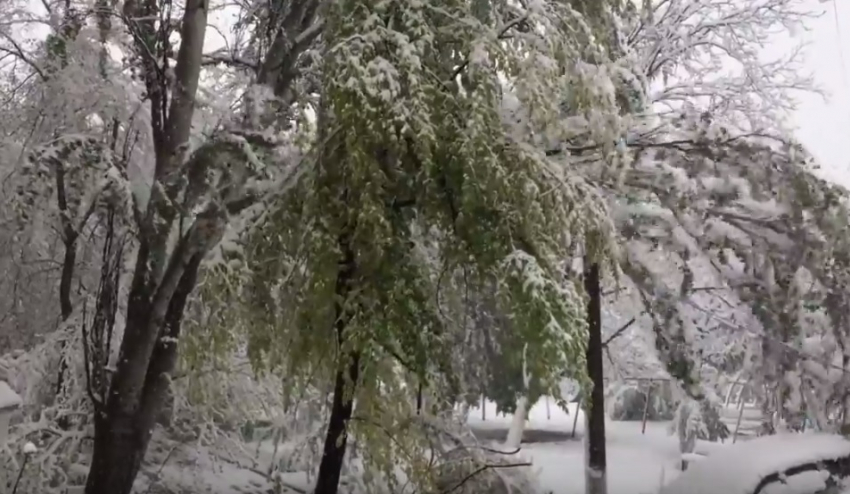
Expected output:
(740, 468)
(637, 463)
(804, 483)
(8, 398)
(643, 463)
(30, 449)
(692, 457)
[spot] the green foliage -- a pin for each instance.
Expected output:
(421, 191)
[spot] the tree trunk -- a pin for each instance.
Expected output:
(69, 263)
(336, 440)
(124, 420)
(117, 455)
(595, 471)
(514, 439)
(121, 435)
(157, 391)
(163, 278)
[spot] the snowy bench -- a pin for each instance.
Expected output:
(9, 403)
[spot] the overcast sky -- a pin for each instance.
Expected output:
(824, 126)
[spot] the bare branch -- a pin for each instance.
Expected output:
(617, 333)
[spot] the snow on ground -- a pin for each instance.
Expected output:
(747, 463)
(196, 469)
(637, 463)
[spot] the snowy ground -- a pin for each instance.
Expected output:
(637, 463)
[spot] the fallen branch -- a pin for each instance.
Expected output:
(838, 467)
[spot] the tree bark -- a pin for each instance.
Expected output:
(595, 471)
(163, 280)
(336, 439)
(514, 439)
(124, 422)
(839, 468)
(157, 388)
(69, 263)
(117, 455)
(122, 434)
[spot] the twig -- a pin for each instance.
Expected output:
(20, 473)
(618, 332)
(162, 466)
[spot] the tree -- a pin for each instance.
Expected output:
(411, 199)
(679, 45)
(596, 475)
(708, 56)
(751, 216)
(182, 199)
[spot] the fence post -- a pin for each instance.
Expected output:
(575, 419)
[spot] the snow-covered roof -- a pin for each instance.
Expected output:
(738, 468)
(8, 398)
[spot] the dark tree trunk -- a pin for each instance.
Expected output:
(157, 390)
(69, 263)
(163, 278)
(122, 432)
(117, 455)
(336, 440)
(595, 480)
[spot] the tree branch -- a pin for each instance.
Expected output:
(617, 333)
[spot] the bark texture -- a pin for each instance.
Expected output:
(596, 463)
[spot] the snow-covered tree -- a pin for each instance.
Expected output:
(427, 183)
(709, 56)
(118, 142)
(691, 120)
(748, 219)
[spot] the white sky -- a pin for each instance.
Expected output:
(824, 126)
